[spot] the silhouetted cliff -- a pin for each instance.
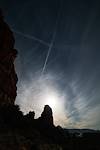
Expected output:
(8, 77)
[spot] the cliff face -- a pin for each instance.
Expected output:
(8, 77)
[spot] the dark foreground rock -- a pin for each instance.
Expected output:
(22, 132)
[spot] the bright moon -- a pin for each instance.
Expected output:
(51, 100)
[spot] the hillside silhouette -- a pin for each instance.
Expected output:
(24, 132)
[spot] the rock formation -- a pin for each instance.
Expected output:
(47, 116)
(8, 77)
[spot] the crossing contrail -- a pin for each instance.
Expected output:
(31, 37)
(48, 53)
(51, 45)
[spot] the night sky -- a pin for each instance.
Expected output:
(58, 42)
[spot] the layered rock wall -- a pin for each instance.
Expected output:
(8, 77)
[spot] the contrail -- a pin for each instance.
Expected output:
(48, 53)
(31, 37)
(50, 47)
